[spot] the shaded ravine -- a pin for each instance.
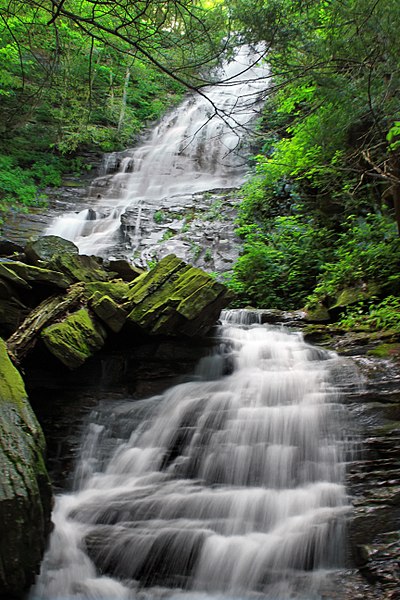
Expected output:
(228, 486)
(191, 151)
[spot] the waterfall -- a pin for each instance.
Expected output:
(229, 486)
(198, 146)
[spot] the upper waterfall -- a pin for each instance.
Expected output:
(198, 146)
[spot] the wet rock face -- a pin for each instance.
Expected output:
(199, 228)
(46, 248)
(25, 494)
(374, 476)
(62, 399)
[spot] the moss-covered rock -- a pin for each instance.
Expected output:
(48, 311)
(385, 351)
(75, 339)
(80, 267)
(108, 311)
(151, 281)
(116, 289)
(8, 248)
(317, 314)
(10, 276)
(352, 295)
(25, 493)
(47, 247)
(176, 299)
(125, 270)
(38, 275)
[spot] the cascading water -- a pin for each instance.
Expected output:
(229, 486)
(197, 147)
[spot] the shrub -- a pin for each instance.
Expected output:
(280, 267)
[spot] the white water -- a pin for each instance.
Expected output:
(230, 486)
(191, 150)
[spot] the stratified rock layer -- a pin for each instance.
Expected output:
(174, 299)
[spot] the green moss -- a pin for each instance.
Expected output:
(317, 314)
(385, 351)
(351, 295)
(25, 492)
(75, 339)
(175, 295)
(198, 290)
(80, 267)
(348, 296)
(12, 387)
(9, 275)
(392, 427)
(148, 283)
(47, 247)
(108, 311)
(38, 275)
(117, 289)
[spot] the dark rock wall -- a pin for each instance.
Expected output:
(25, 493)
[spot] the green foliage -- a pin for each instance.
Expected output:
(90, 76)
(17, 186)
(159, 217)
(208, 255)
(167, 235)
(196, 251)
(332, 119)
(393, 136)
(280, 266)
(328, 153)
(367, 251)
(374, 315)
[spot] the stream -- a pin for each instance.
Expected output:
(230, 485)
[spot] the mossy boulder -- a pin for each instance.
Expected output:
(38, 275)
(176, 299)
(173, 299)
(386, 351)
(317, 314)
(75, 339)
(116, 289)
(8, 275)
(351, 295)
(108, 311)
(47, 247)
(25, 493)
(79, 267)
(125, 270)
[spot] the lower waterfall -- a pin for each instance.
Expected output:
(227, 486)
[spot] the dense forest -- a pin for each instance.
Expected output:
(319, 216)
